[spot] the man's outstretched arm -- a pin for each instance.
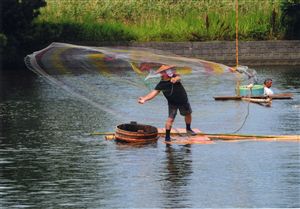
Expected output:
(149, 96)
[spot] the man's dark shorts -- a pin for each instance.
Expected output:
(184, 109)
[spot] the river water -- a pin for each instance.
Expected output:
(48, 159)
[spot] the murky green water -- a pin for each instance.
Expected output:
(49, 160)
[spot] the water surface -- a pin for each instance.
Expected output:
(49, 160)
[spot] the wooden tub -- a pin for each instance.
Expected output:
(136, 133)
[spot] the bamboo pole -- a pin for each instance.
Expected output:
(237, 88)
(237, 32)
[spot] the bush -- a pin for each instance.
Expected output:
(17, 28)
(290, 18)
(3, 40)
(47, 32)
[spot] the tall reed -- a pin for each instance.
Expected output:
(169, 20)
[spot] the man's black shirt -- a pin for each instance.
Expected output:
(174, 92)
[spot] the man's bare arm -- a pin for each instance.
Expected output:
(149, 96)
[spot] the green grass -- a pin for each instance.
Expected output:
(165, 20)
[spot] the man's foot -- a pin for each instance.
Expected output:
(190, 132)
(169, 139)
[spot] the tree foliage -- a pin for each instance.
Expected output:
(17, 25)
(290, 18)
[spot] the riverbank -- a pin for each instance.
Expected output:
(143, 21)
(251, 53)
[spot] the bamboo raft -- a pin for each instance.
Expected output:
(275, 96)
(218, 136)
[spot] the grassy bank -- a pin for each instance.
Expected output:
(160, 20)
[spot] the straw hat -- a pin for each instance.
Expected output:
(163, 68)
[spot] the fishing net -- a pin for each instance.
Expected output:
(87, 72)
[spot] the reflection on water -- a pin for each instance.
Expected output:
(176, 173)
(48, 159)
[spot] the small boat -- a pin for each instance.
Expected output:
(254, 94)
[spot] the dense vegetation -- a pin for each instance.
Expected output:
(28, 25)
(165, 20)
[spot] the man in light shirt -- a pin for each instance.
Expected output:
(267, 87)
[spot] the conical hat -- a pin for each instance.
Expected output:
(163, 68)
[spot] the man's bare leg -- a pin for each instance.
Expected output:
(188, 121)
(168, 127)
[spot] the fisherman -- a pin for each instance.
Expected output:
(267, 87)
(176, 96)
